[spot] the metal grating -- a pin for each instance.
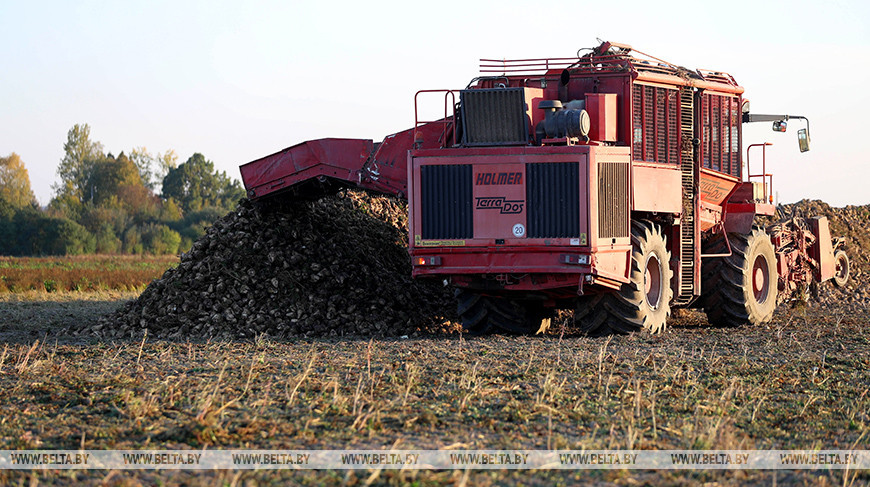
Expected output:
(446, 200)
(612, 200)
(655, 124)
(494, 117)
(553, 196)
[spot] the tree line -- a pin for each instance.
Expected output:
(132, 203)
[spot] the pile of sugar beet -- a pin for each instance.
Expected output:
(339, 266)
(332, 267)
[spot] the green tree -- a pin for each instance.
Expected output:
(8, 235)
(196, 185)
(133, 241)
(39, 234)
(159, 239)
(107, 242)
(170, 212)
(15, 182)
(152, 169)
(66, 237)
(145, 163)
(108, 176)
(115, 183)
(80, 155)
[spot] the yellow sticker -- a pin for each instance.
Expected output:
(582, 239)
(440, 243)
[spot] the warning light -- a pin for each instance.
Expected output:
(427, 261)
(574, 259)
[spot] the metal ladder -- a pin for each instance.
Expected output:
(689, 221)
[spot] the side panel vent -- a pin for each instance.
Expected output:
(553, 197)
(612, 200)
(494, 117)
(446, 202)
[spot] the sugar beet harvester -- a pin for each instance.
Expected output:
(611, 183)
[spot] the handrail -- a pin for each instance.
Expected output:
(764, 174)
(446, 121)
(601, 63)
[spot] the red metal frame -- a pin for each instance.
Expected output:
(447, 121)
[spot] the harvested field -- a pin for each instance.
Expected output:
(801, 382)
(230, 368)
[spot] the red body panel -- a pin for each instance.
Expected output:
(657, 187)
(822, 250)
(337, 158)
(602, 110)
(716, 187)
(352, 161)
(496, 247)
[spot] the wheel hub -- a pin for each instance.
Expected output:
(653, 281)
(760, 279)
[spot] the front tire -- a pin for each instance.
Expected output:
(643, 303)
(741, 289)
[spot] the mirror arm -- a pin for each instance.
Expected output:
(764, 117)
(759, 117)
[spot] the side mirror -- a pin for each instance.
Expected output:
(780, 126)
(803, 140)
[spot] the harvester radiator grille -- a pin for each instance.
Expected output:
(446, 202)
(494, 117)
(720, 136)
(612, 200)
(553, 196)
(655, 114)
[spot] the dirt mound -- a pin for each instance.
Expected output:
(331, 267)
(853, 222)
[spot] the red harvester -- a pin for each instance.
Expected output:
(612, 183)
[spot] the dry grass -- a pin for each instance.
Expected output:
(81, 273)
(801, 382)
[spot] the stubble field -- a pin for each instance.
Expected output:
(801, 382)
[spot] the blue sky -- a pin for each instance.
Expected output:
(239, 80)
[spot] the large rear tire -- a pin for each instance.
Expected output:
(481, 315)
(740, 289)
(643, 303)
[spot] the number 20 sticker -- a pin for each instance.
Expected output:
(519, 230)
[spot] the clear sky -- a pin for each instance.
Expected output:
(240, 80)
